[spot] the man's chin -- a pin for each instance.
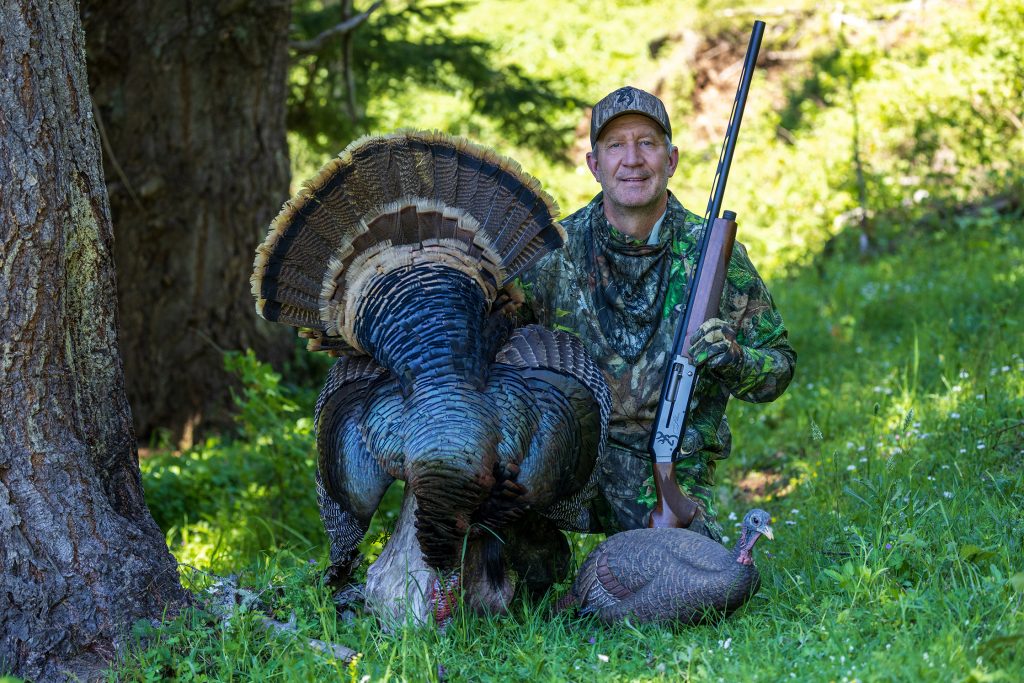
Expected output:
(635, 200)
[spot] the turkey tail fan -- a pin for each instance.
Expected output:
(390, 202)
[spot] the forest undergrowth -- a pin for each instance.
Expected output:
(893, 468)
(879, 178)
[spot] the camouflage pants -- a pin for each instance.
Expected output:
(626, 490)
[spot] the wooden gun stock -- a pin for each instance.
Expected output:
(711, 282)
(674, 510)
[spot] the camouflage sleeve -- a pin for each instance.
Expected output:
(535, 284)
(768, 359)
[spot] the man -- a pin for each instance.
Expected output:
(620, 284)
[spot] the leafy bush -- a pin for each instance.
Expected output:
(222, 502)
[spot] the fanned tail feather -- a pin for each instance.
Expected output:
(395, 201)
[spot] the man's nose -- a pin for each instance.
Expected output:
(632, 156)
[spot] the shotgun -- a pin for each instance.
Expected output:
(667, 443)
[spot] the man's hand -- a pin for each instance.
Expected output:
(713, 346)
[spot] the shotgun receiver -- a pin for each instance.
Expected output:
(668, 441)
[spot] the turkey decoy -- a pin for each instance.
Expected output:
(669, 575)
(397, 258)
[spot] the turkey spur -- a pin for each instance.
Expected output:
(398, 258)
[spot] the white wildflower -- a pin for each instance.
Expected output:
(851, 468)
(863, 459)
(957, 389)
(603, 658)
(980, 397)
(860, 449)
(954, 416)
(790, 522)
(725, 539)
(963, 450)
(964, 374)
(1006, 368)
(947, 494)
(794, 511)
(732, 516)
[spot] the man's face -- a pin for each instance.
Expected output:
(633, 163)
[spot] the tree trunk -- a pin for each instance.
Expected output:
(80, 555)
(190, 98)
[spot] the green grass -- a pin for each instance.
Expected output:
(896, 485)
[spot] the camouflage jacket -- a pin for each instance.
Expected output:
(623, 300)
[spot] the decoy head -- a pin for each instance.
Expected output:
(755, 525)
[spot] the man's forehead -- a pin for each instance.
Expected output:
(631, 124)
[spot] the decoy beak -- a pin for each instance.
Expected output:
(767, 531)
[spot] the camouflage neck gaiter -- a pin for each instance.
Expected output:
(630, 283)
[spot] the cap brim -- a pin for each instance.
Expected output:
(597, 134)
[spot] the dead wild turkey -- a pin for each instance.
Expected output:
(396, 257)
(669, 575)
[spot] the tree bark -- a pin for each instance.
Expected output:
(190, 97)
(80, 555)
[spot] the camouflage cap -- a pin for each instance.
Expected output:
(627, 100)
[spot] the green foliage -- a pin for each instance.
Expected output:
(892, 465)
(405, 57)
(231, 497)
(929, 102)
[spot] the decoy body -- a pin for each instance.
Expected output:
(669, 575)
(397, 258)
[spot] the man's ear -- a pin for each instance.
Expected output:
(673, 160)
(592, 165)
